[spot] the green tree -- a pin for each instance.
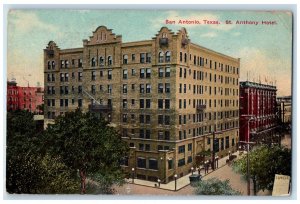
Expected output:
(87, 144)
(27, 170)
(214, 186)
(265, 162)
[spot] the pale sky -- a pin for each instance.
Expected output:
(265, 50)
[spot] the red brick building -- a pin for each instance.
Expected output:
(24, 98)
(257, 111)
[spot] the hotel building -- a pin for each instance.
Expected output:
(166, 96)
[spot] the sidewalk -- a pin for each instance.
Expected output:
(181, 182)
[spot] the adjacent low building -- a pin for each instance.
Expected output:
(258, 112)
(166, 96)
(24, 98)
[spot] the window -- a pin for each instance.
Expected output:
(170, 164)
(49, 65)
(125, 74)
(125, 59)
(133, 72)
(148, 134)
(79, 76)
(148, 57)
(93, 89)
(160, 119)
(93, 62)
(148, 103)
(132, 87)
(181, 149)
(66, 102)
(142, 57)
(167, 135)
(79, 62)
(109, 88)
(160, 103)
(109, 74)
(133, 57)
(160, 72)
(142, 105)
(66, 63)
(160, 57)
(180, 57)
(62, 63)
(148, 73)
(101, 60)
(147, 148)
(190, 159)
(148, 119)
(160, 135)
(142, 88)
(167, 88)
(167, 120)
(152, 164)
(227, 142)
(141, 147)
(168, 56)
(190, 147)
(66, 77)
(61, 102)
(124, 88)
(79, 102)
(180, 72)
(232, 142)
(93, 75)
(124, 103)
(148, 88)
(142, 73)
(109, 60)
(142, 119)
(167, 103)
(160, 88)
(141, 162)
(168, 71)
(142, 135)
(79, 89)
(62, 77)
(124, 118)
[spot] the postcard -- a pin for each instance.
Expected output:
(149, 102)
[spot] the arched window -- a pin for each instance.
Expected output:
(49, 65)
(168, 56)
(93, 62)
(160, 57)
(101, 60)
(53, 64)
(125, 59)
(164, 35)
(109, 60)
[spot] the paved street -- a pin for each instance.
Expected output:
(142, 187)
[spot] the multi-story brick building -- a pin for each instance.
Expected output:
(258, 119)
(24, 98)
(166, 95)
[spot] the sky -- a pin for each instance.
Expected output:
(265, 50)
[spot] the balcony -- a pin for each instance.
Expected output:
(99, 108)
(163, 41)
(200, 107)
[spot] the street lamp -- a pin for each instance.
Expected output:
(132, 175)
(175, 177)
(192, 170)
(158, 181)
(229, 155)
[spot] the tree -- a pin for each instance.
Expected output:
(27, 169)
(214, 186)
(265, 162)
(86, 143)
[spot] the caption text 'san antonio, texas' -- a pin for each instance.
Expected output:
(216, 22)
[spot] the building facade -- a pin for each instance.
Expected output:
(258, 112)
(165, 95)
(24, 98)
